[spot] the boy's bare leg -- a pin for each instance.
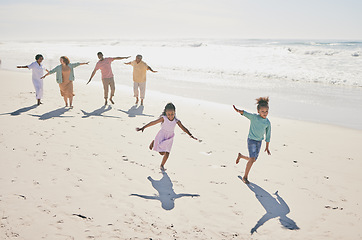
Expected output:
(136, 100)
(247, 170)
(241, 156)
(141, 101)
(111, 100)
(105, 101)
(151, 145)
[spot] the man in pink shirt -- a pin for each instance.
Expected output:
(104, 64)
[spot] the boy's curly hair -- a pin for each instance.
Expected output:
(262, 102)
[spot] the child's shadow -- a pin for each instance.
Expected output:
(98, 112)
(21, 110)
(166, 194)
(53, 114)
(274, 207)
(135, 111)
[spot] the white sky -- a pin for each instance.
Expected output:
(95, 19)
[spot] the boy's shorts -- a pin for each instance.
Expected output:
(254, 148)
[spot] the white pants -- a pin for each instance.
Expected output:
(38, 85)
(142, 87)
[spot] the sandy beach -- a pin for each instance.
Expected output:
(85, 173)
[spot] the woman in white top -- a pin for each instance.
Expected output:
(37, 72)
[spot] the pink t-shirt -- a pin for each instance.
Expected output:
(105, 67)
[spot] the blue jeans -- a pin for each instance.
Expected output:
(254, 148)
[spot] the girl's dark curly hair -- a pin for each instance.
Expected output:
(262, 102)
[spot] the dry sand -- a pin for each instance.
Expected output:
(85, 173)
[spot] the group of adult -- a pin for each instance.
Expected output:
(65, 77)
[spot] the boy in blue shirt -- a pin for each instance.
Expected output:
(259, 126)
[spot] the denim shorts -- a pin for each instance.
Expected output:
(254, 148)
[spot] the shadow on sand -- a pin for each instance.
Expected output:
(166, 194)
(274, 207)
(21, 110)
(53, 114)
(98, 112)
(135, 111)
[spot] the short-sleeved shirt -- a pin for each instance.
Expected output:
(258, 127)
(37, 70)
(105, 67)
(139, 71)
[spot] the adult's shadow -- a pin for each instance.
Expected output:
(98, 112)
(21, 110)
(53, 114)
(135, 111)
(166, 194)
(274, 207)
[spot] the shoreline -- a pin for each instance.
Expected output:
(282, 104)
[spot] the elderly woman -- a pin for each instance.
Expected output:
(65, 77)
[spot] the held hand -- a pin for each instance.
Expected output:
(43, 77)
(267, 150)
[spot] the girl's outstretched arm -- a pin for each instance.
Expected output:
(160, 120)
(185, 129)
(239, 111)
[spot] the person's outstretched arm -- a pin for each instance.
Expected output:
(120, 58)
(160, 120)
(85, 63)
(238, 110)
(185, 129)
(149, 68)
(92, 75)
(21, 66)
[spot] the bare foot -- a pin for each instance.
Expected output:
(238, 158)
(111, 100)
(162, 168)
(245, 180)
(142, 102)
(151, 145)
(136, 101)
(71, 107)
(105, 102)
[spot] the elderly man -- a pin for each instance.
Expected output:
(104, 64)
(139, 77)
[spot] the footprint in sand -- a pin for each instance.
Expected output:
(206, 153)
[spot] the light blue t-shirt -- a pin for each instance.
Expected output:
(258, 127)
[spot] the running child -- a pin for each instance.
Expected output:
(164, 138)
(259, 126)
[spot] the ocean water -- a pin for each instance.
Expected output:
(311, 80)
